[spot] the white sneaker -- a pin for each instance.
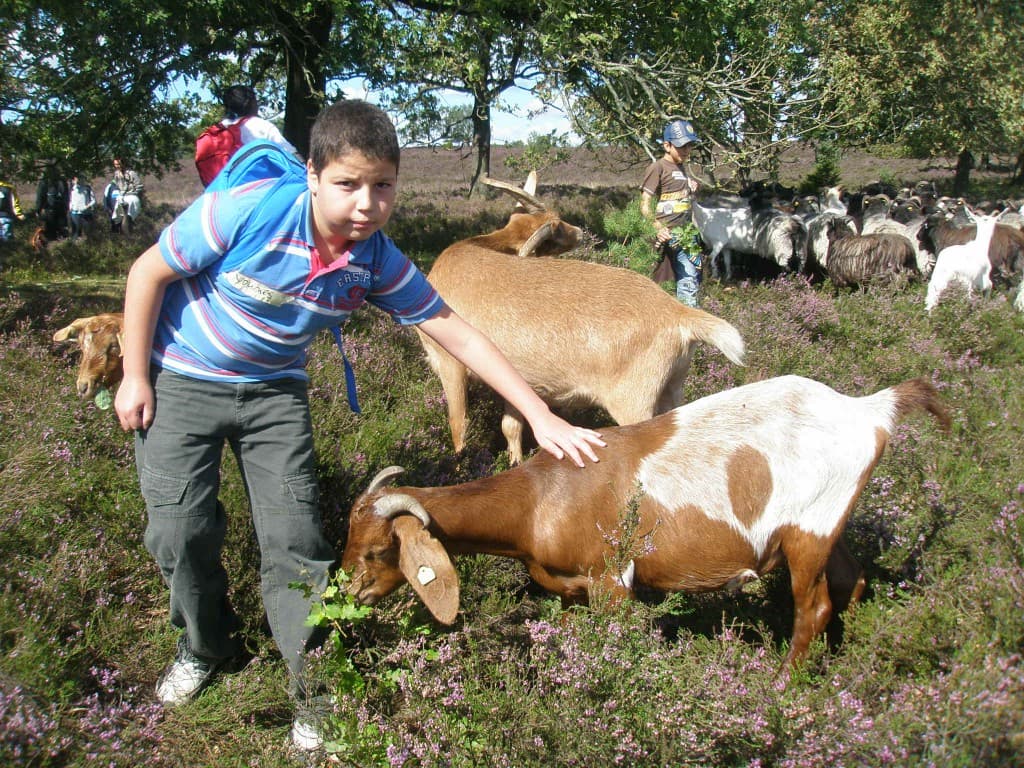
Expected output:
(186, 677)
(306, 734)
(308, 724)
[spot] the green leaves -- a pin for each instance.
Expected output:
(337, 608)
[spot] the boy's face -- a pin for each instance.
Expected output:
(678, 154)
(352, 197)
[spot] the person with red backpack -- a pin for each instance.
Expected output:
(241, 124)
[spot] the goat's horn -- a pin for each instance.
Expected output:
(543, 233)
(71, 331)
(393, 504)
(531, 203)
(385, 477)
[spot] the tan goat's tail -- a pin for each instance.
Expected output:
(703, 326)
(918, 394)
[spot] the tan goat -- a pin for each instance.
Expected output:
(100, 339)
(582, 334)
(725, 488)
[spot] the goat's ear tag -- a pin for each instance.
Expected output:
(425, 574)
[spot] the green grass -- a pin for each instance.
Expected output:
(926, 671)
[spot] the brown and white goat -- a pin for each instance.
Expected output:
(101, 341)
(725, 488)
(580, 333)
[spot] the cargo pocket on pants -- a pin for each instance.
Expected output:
(163, 494)
(303, 490)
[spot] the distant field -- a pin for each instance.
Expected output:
(447, 172)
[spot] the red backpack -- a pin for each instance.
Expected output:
(215, 146)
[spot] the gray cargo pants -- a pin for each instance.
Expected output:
(268, 427)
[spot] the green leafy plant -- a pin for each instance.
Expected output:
(542, 150)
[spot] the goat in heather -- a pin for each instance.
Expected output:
(967, 264)
(877, 218)
(834, 200)
(38, 241)
(1005, 253)
(580, 333)
(854, 260)
(532, 230)
(724, 489)
(101, 341)
(726, 226)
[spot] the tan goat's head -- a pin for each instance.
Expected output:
(532, 228)
(100, 338)
(389, 543)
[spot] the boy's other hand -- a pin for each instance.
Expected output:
(134, 404)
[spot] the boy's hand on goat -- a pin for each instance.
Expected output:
(560, 438)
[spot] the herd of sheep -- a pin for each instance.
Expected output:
(875, 235)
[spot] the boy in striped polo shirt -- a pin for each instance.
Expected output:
(218, 316)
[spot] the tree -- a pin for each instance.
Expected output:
(940, 79)
(744, 72)
(84, 81)
(480, 48)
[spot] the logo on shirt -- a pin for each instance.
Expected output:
(355, 283)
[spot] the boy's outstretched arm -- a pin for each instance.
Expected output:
(474, 350)
(144, 292)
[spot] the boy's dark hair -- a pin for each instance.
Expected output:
(352, 126)
(240, 101)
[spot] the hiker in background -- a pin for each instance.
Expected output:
(122, 197)
(10, 209)
(241, 124)
(80, 204)
(52, 203)
(669, 185)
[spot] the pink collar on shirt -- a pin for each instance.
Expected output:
(317, 266)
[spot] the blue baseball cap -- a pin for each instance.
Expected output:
(679, 133)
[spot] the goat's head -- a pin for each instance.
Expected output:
(100, 339)
(532, 229)
(878, 205)
(389, 543)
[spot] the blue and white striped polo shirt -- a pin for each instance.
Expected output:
(252, 297)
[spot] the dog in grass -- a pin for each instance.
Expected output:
(38, 240)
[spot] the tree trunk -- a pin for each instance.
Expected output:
(962, 175)
(306, 37)
(1018, 169)
(481, 140)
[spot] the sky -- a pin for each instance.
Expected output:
(506, 127)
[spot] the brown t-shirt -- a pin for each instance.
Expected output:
(670, 186)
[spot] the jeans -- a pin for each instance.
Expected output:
(80, 223)
(688, 276)
(268, 427)
(5, 228)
